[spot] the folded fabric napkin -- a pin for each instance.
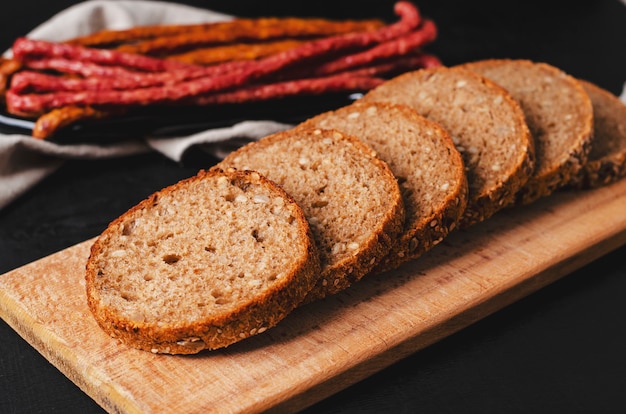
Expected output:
(24, 161)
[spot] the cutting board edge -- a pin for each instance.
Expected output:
(467, 317)
(44, 342)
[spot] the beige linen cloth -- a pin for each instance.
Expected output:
(24, 161)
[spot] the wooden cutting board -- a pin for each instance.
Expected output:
(326, 346)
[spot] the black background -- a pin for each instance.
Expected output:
(561, 349)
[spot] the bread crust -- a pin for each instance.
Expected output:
(214, 330)
(607, 157)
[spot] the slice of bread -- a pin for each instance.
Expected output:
(558, 112)
(350, 197)
(607, 159)
(202, 264)
(486, 124)
(425, 161)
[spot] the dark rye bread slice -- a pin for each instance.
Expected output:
(607, 158)
(425, 161)
(350, 197)
(485, 123)
(202, 264)
(558, 112)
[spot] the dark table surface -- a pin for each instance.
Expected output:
(562, 349)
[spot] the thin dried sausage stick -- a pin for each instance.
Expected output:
(381, 68)
(49, 123)
(236, 52)
(28, 49)
(418, 61)
(28, 81)
(98, 77)
(311, 86)
(115, 37)
(231, 31)
(7, 68)
(248, 30)
(399, 46)
(38, 103)
(88, 70)
(74, 67)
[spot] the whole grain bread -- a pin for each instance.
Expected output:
(350, 197)
(558, 112)
(607, 158)
(425, 161)
(202, 264)
(486, 124)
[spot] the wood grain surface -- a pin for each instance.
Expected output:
(328, 345)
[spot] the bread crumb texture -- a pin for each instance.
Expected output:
(425, 162)
(350, 197)
(559, 115)
(215, 258)
(485, 123)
